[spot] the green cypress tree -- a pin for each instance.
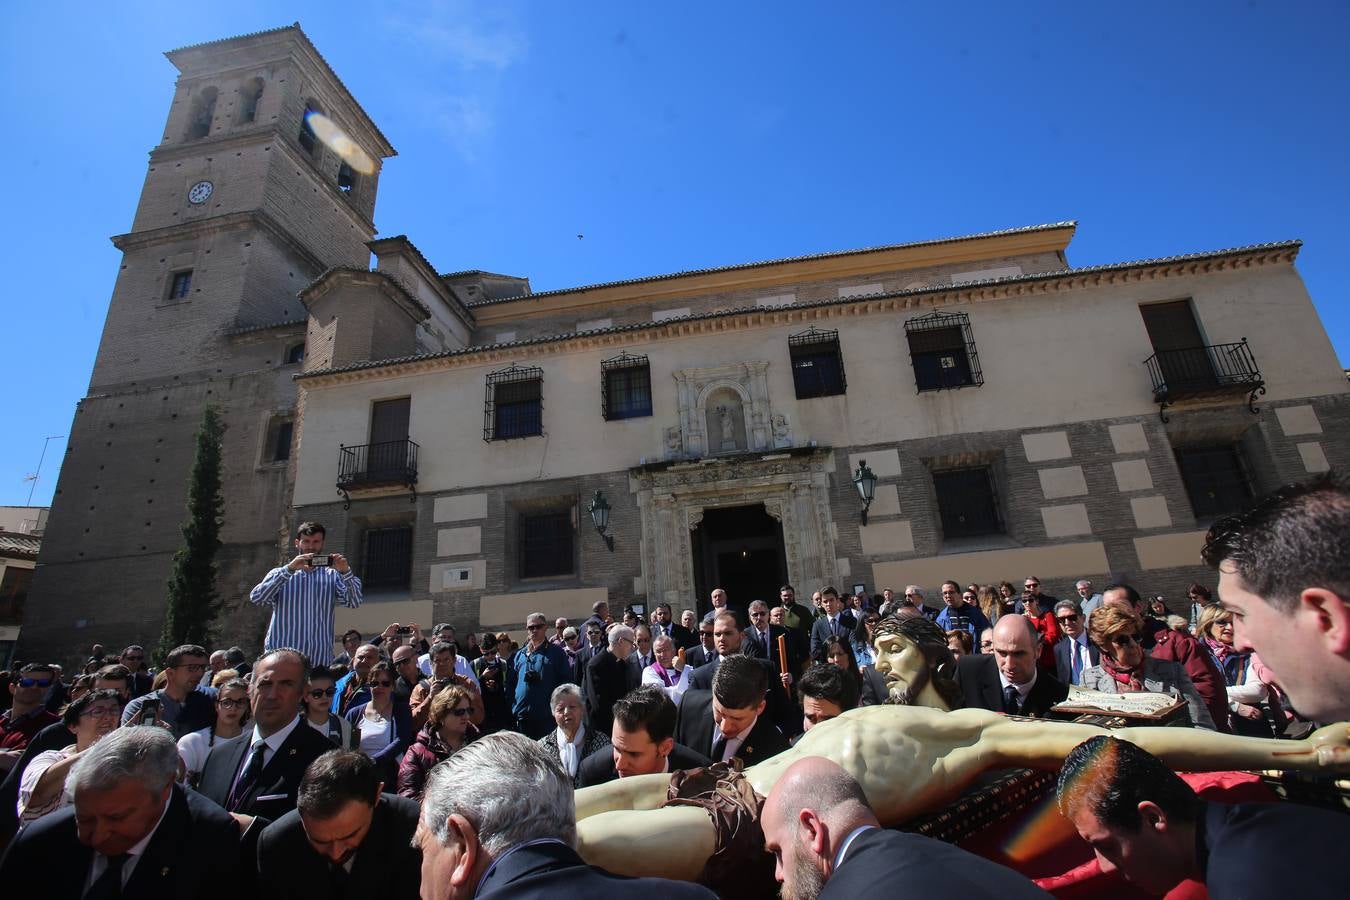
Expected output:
(192, 586)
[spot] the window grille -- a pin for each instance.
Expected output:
(817, 363)
(625, 387)
(966, 502)
(545, 543)
(180, 285)
(388, 561)
(514, 406)
(942, 349)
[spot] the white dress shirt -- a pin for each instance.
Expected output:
(673, 691)
(733, 744)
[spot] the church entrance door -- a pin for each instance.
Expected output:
(739, 549)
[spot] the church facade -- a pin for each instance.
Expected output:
(460, 435)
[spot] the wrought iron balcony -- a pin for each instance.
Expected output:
(1214, 370)
(386, 464)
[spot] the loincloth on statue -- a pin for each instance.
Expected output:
(739, 867)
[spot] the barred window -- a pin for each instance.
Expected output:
(966, 502)
(942, 349)
(388, 562)
(625, 387)
(545, 544)
(514, 407)
(1216, 479)
(817, 364)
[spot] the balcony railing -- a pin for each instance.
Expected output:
(385, 464)
(1214, 370)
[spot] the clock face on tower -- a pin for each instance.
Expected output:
(200, 192)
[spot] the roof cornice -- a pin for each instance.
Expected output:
(339, 276)
(256, 218)
(894, 301)
(776, 272)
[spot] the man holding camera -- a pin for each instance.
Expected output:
(302, 594)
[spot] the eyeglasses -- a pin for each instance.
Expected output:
(533, 627)
(1124, 640)
(318, 693)
(405, 660)
(986, 645)
(460, 711)
(1072, 617)
(232, 704)
(35, 682)
(593, 632)
(705, 633)
(758, 615)
(101, 712)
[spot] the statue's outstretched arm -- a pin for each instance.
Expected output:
(674, 842)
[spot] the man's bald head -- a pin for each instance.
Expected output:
(1016, 645)
(809, 812)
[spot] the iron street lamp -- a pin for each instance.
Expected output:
(866, 483)
(599, 510)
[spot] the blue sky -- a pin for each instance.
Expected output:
(679, 136)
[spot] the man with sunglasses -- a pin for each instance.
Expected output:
(537, 668)
(27, 715)
(184, 705)
(133, 657)
(1074, 653)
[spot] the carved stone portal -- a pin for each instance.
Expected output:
(793, 486)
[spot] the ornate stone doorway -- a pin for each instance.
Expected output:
(740, 549)
(792, 487)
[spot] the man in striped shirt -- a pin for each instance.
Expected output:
(302, 596)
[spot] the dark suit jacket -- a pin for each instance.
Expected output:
(1064, 663)
(193, 854)
(696, 656)
(782, 709)
(274, 794)
(682, 636)
(694, 729)
(598, 768)
(874, 691)
(608, 679)
(820, 631)
(981, 688)
(550, 871)
(926, 867)
(386, 863)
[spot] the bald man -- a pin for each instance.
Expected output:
(1006, 679)
(827, 842)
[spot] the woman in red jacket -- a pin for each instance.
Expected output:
(448, 729)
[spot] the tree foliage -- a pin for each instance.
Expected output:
(192, 586)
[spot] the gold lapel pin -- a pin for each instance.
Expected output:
(164, 871)
(292, 751)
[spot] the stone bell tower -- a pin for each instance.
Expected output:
(245, 202)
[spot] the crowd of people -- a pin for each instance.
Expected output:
(448, 768)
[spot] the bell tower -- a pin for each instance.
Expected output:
(245, 202)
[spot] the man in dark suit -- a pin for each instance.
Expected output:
(730, 640)
(728, 721)
(609, 678)
(594, 642)
(763, 636)
(1007, 680)
(642, 655)
(706, 650)
(345, 840)
(837, 622)
(508, 793)
(643, 741)
(132, 840)
(1149, 827)
(1074, 653)
(259, 775)
(829, 844)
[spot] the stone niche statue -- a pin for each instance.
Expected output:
(725, 419)
(782, 434)
(911, 756)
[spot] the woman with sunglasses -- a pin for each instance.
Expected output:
(447, 731)
(1125, 667)
(231, 715)
(1245, 691)
(384, 723)
(317, 708)
(42, 788)
(863, 635)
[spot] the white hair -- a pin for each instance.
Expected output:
(532, 617)
(566, 689)
(509, 788)
(141, 752)
(621, 633)
(913, 589)
(1082, 582)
